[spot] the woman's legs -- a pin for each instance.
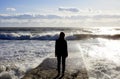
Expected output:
(63, 64)
(58, 64)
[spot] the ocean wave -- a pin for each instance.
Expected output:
(30, 36)
(18, 36)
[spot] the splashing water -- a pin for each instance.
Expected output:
(101, 58)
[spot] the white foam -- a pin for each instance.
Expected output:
(32, 36)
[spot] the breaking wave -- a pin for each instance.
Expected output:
(30, 36)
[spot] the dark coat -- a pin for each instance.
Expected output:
(61, 48)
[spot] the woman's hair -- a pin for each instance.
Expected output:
(62, 35)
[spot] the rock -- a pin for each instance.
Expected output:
(5, 76)
(2, 68)
(75, 69)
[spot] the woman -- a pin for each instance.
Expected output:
(61, 52)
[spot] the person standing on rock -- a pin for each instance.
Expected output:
(61, 52)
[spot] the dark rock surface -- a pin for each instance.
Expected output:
(75, 69)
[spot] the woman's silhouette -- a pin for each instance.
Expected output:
(61, 52)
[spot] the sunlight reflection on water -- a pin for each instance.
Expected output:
(101, 58)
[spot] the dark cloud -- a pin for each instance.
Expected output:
(68, 9)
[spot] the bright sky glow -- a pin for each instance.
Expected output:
(28, 12)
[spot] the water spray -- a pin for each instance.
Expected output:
(87, 65)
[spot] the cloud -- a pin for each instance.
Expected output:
(106, 16)
(68, 9)
(26, 20)
(10, 9)
(48, 17)
(90, 11)
(29, 16)
(54, 16)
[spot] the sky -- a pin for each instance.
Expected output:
(61, 13)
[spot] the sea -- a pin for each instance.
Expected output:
(24, 48)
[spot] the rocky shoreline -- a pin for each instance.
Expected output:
(47, 70)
